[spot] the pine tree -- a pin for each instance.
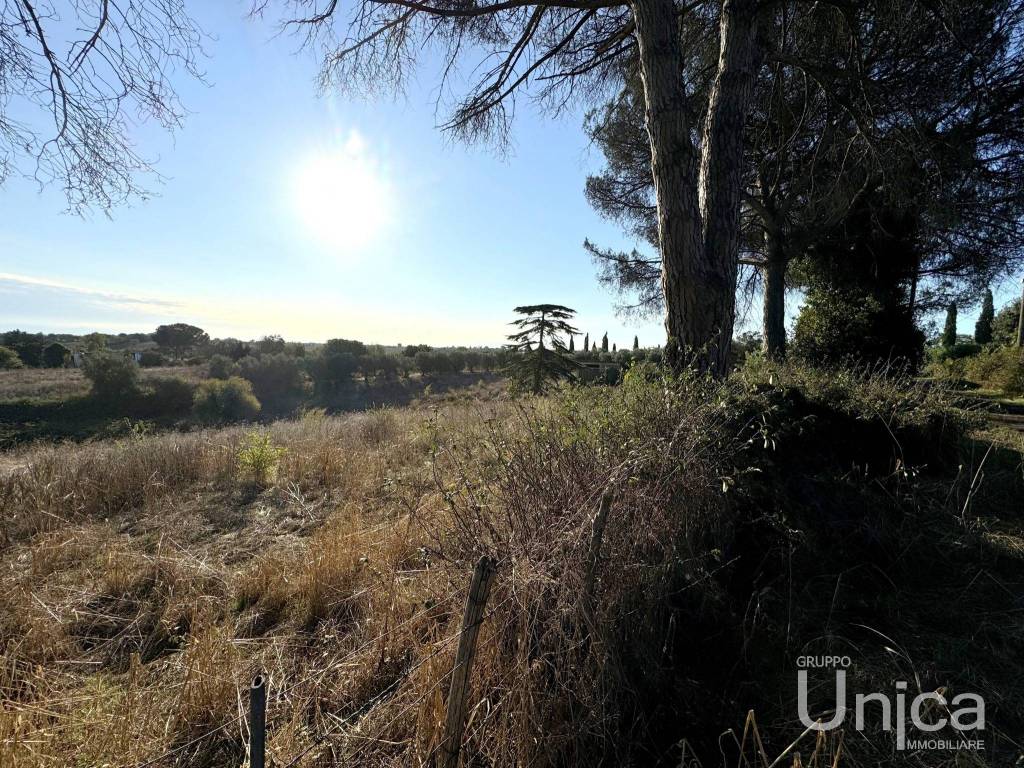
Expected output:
(636, 343)
(538, 353)
(604, 343)
(949, 332)
(983, 328)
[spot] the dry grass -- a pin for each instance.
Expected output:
(144, 580)
(142, 583)
(64, 383)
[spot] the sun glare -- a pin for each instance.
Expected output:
(341, 196)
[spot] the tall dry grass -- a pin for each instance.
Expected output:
(65, 383)
(148, 577)
(143, 582)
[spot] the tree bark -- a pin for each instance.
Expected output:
(698, 212)
(674, 170)
(720, 183)
(773, 275)
(774, 317)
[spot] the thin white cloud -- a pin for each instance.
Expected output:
(61, 304)
(14, 282)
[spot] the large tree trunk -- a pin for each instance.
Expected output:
(674, 171)
(774, 318)
(698, 233)
(721, 169)
(773, 274)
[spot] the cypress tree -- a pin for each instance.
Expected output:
(572, 345)
(983, 328)
(636, 343)
(586, 343)
(604, 343)
(949, 332)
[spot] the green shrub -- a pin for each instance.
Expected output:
(114, 377)
(332, 368)
(259, 456)
(837, 327)
(221, 367)
(277, 379)
(9, 359)
(1004, 325)
(172, 395)
(344, 347)
(959, 351)
(218, 400)
(379, 366)
(28, 346)
(151, 359)
(1000, 368)
(55, 355)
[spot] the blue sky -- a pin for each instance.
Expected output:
(315, 216)
(231, 243)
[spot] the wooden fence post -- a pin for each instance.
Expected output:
(472, 618)
(594, 554)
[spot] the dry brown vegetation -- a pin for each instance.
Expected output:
(65, 383)
(145, 580)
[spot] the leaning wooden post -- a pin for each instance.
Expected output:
(594, 555)
(455, 719)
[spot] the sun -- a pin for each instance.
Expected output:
(341, 197)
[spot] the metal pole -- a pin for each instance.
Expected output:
(257, 722)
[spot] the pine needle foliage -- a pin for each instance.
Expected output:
(540, 355)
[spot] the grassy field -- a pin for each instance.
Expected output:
(67, 383)
(55, 404)
(144, 580)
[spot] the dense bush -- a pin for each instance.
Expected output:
(221, 367)
(1004, 325)
(959, 351)
(259, 457)
(277, 379)
(332, 369)
(55, 355)
(380, 365)
(837, 327)
(113, 377)
(344, 347)
(28, 346)
(232, 348)
(152, 359)
(438, 363)
(9, 359)
(219, 400)
(768, 504)
(270, 345)
(999, 368)
(414, 349)
(172, 395)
